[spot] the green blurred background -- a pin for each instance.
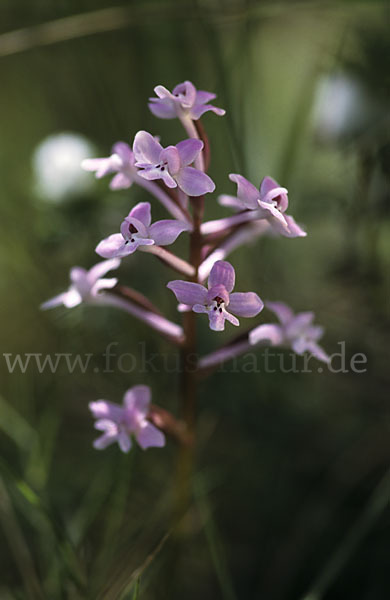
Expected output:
(290, 490)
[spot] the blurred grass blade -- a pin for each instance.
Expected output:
(18, 546)
(16, 427)
(136, 589)
(214, 542)
(378, 502)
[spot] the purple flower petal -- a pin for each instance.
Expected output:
(270, 191)
(149, 436)
(53, 302)
(72, 298)
(162, 92)
(246, 191)
(163, 108)
(101, 269)
(281, 310)
(298, 324)
(189, 150)
(294, 230)
(104, 440)
(124, 441)
(216, 320)
(202, 97)
(266, 333)
(124, 152)
(231, 318)
(132, 226)
(101, 166)
(121, 181)
(187, 292)
(317, 352)
(194, 182)
(222, 272)
(186, 92)
(245, 304)
(153, 173)
(142, 212)
(137, 399)
(113, 246)
(170, 156)
(231, 202)
(146, 148)
(103, 284)
(218, 291)
(103, 409)
(199, 109)
(167, 231)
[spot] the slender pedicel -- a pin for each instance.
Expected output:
(178, 264)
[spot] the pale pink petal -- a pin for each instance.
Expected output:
(72, 298)
(103, 284)
(266, 333)
(284, 313)
(246, 191)
(217, 291)
(187, 292)
(167, 231)
(189, 150)
(199, 109)
(101, 166)
(245, 304)
(124, 152)
(231, 202)
(222, 273)
(142, 212)
(146, 148)
(170, 155)
(231, 318)
(153, 173)
(78, 274)
(270, 190)
(202, 97)
(102, 268)
(53, 302)
(163, 92)
(104, 440)
(163, 108)
(217, 320)
(317, 351)
(299, 323)
(187, 93)
(121, 181)
(194, 182)
(103, 409)
(149, 436)
(113, 246)
(124, 441)
(137, 399)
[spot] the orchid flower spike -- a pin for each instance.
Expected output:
(86, 286)
(137, 231)
(215, 301)
(184, 101)
(121, 162)
(295, 331)
(122, 423)
(270, 202)
(171, 164)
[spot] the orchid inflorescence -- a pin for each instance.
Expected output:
(176, 176)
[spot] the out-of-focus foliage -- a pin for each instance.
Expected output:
(290, 489)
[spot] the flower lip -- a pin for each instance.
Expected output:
(219, 294)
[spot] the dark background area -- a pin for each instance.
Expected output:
(290, 490)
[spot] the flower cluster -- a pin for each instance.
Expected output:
(176, 176)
